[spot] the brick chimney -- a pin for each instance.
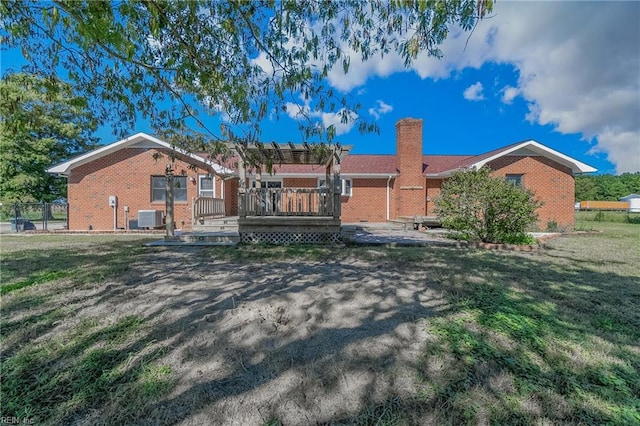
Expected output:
(410, 185)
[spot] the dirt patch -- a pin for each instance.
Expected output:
(302, 342)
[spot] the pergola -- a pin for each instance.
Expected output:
(265, 212)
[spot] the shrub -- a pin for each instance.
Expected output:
(486, 208)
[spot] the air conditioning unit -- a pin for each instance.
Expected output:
(149, 218)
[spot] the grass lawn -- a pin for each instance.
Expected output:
(101, 330)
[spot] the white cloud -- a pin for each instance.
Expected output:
(578, 66)
(383, 108)
(297, 112)
(474, 92)
(508, 94)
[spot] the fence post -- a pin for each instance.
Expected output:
(16, 214)
(45, 215)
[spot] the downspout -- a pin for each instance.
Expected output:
(388, 195)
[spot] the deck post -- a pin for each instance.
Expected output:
(328, 183)
(337, 188)
(242, 190)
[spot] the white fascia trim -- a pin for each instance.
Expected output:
(575, 165)
(343, 175)
(65, 168)
(442, 175)
(369, 175)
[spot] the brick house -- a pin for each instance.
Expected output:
(375, 188)
(133, 170)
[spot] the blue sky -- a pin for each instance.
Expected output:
(566, 74)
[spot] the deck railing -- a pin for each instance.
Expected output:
(286, 202)
(204, 207)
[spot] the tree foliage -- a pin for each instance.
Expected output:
(170, 61)
(42, 122)
(486, 208)
(606, 187)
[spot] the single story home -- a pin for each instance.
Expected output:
(375, 188)
(108, 187)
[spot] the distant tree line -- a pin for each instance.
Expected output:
(607, 187)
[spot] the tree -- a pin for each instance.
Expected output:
(42, 123)
(486, 208)
(607, 187)
(170, 61)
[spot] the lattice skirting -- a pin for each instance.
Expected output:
(290, 237)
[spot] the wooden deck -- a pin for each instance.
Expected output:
(289, 229)
(289, 224)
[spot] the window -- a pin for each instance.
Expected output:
(268, 184)
(514, 179)
(158, 188)
(206, 186)
(345, 185)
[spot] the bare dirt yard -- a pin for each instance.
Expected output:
(111, 332)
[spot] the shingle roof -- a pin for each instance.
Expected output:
(379, 164)
(440, 163)
(137, 140)
(352, 164)
(387, 164)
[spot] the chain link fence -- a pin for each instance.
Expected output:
(20, 217)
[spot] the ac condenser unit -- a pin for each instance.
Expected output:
(149, 218)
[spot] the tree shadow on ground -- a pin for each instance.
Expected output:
(354, 336)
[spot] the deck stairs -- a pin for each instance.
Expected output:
(213, 225)
(211, 232)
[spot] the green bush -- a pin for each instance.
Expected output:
(486, 208)
(633, 218)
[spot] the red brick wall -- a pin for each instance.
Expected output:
(410, 186)
(551, 182)
(127, 175)
(300, 182)
(433, 190)
(231, 196)
(368, 201)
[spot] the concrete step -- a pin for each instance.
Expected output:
(215, 228)
(210, 238)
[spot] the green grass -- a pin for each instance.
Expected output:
(83, 368)
(93, 362)
(526, 338)
(525, 341)
(32, 280)
(607, 216)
